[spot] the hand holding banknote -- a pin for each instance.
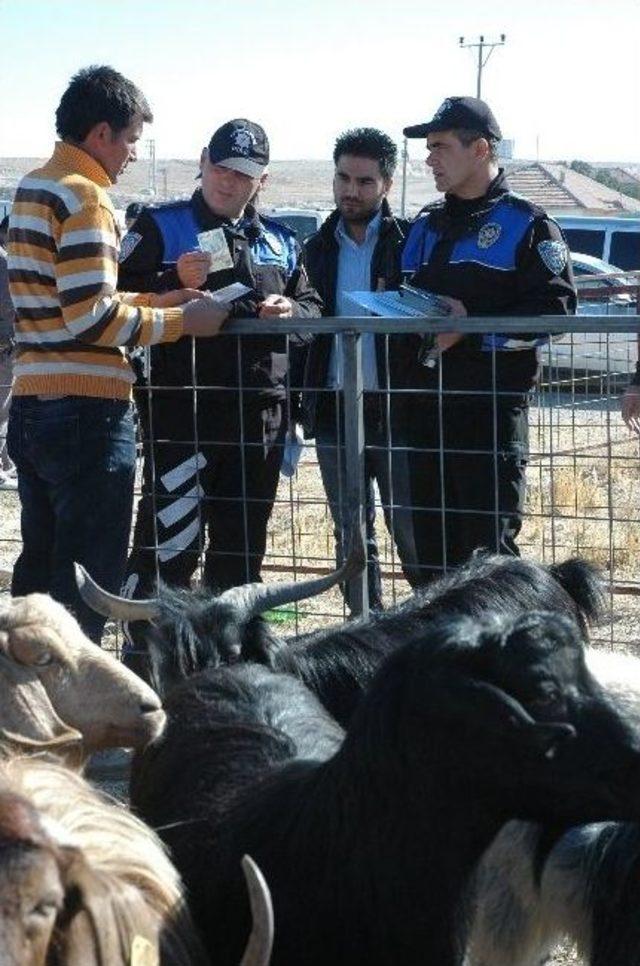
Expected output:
(193, 268)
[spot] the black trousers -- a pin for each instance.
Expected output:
(209, 485)
(467, 476)
(385, 462)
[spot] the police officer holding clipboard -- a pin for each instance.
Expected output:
(488, 252)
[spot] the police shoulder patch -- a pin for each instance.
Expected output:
(130, 241)
(554, 254)
(489, 234)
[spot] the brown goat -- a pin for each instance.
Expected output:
(83, 882)
(31, 883)
(62, 692)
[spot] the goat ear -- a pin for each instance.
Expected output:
(496, 711)
(32, 645)
(100, 926)
(86, 934)
(231, 644)
(547, 738)
(478, 702)
(28, 720)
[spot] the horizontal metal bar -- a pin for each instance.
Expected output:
(625, 590)
(617, 588)
(469, 324)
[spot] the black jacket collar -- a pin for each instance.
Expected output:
(328, 231)
(249, 225)
(494, 192)
(456, 216)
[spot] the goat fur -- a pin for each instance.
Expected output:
(352, 841)
(337, 663)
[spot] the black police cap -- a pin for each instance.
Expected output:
(459, 112)
(242, 145)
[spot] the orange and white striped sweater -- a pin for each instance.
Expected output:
(63, 266)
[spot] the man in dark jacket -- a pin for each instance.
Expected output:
(213, 456)
(493, 253)
(358, 248)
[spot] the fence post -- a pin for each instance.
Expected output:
(354, 457)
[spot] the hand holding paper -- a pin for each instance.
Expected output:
(193, 268)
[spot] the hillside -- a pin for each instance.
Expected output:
(291, 183)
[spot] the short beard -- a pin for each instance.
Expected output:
(362, 219)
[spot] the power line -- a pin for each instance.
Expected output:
(483, 45)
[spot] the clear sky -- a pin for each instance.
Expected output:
(565, 85)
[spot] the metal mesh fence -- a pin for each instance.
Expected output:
(582, 479)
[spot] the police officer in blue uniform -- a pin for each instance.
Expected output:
(489, 252)
(212, 456)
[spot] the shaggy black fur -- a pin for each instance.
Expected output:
(369, 850)
(337, 663)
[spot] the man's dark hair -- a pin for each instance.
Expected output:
(133, 209)
(97, 94)
(466, 136)
(4, 229)
(368, 142)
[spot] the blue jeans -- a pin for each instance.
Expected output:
(75, 458)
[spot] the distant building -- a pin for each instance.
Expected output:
(557, 188)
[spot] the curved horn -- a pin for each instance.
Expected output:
(109, 605)
(258, 951)
(253, 599)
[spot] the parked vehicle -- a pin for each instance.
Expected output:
(304, 221)
(601, 283)
(615, 240)
(597, 353)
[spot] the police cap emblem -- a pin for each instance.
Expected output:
(130, 241)
(489, 234)
(242, 141)
(554, 254)
(444, 107)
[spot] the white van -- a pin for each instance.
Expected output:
(614, 240)
(304, 221)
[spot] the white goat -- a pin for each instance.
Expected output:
(61, 692)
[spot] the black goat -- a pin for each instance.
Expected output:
(193, 630)
(369, 853)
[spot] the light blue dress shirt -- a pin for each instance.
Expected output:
(354, 275)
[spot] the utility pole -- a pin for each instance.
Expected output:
(153, 188)
(483, 45)
(403, 201)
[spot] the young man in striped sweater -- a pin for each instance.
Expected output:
(71, 430)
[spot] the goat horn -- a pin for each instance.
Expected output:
(109, 605)
(258, 951)
(253, 599)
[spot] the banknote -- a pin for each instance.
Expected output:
(215, 244)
